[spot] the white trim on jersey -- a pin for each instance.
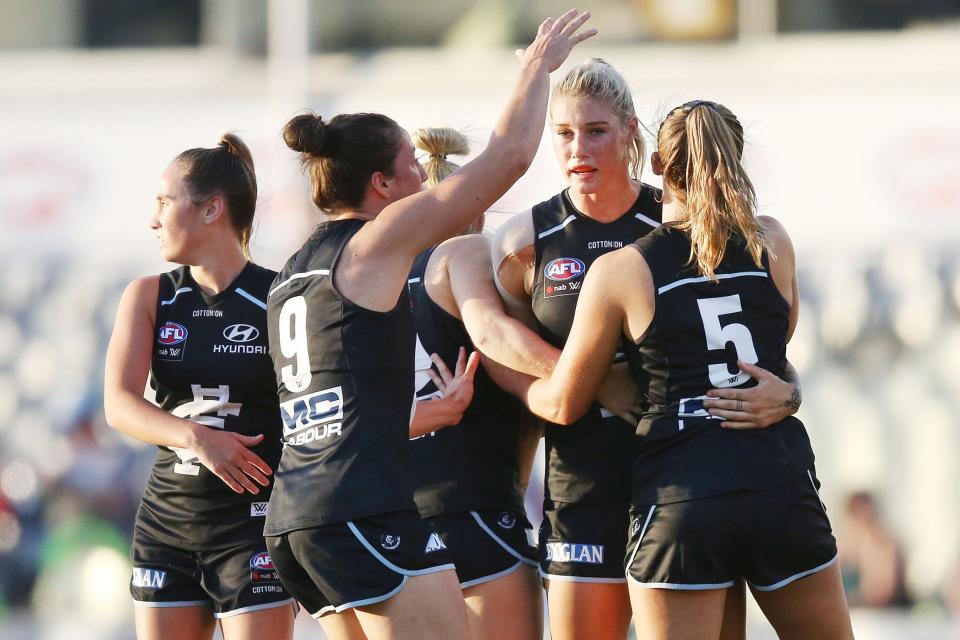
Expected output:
(413, 280)
(552, 230)
(719, 276)
(816, 491)
(305, 274)
(175, 294)
(251, 298)
(795, 577)
(650, 221)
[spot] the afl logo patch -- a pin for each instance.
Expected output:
(171, 333)
(261, 561)
(389, 542)
(563, 269)
(507, 520)
(241, 333)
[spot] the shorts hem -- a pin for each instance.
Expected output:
(491, 577)
(586, 579)
(795, 577)
(506, 547)
(162, 605)
(255, 607)
(679, 586)
(361, 603)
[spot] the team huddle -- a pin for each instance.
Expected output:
(354, 434)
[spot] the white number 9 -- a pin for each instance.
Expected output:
(293, 344)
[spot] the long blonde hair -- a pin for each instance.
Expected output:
(596, 79)
(701, 145)
(440, 142)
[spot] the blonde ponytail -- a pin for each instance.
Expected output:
(701, 146)
(440, 142)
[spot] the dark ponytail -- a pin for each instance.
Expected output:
(225, 170)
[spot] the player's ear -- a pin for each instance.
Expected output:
(214, 209)
(380, 184)
(656, 163)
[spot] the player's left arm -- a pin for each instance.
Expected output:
(772, 399)
(600, 319)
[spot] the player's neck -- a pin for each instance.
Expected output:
(608, 204)
(218, 269)
(672, 209)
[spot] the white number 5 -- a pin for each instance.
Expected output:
(719, 335)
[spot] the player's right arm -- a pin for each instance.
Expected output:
(128, 363)
(513, 257)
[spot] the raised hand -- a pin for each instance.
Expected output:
(555, 39)
(228, 455)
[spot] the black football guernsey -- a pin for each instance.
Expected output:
(210, 365)
(345, 380)
(472, 465)
(589, 460)
(699, 329)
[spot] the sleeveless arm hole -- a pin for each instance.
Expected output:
(513, 267)
(780, 261)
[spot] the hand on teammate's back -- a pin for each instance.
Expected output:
(758, 407)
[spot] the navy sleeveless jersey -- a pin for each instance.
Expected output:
(699, 330)
(210, 365)
(589, 460)
(345, 380)
(472, 465)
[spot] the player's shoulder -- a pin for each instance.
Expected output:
(514, 234)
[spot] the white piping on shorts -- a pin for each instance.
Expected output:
(814, 485)
(182, 603)
(258, 607)
(795, 577)
(559, 578)
(673, 586)
(175, 294)
(491, 577)
(361, 603)
(252, 298)
(633, 556)
(506, 547)
(389, 565)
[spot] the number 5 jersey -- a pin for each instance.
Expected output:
(210, 365)
(699, 330)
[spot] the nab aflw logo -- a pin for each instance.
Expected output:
(241, 333)
(171, 333)
(564, 269)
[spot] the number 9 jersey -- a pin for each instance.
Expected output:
(345, 379)
(699, 330)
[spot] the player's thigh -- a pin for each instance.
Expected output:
(508, 607)
(588, 610)
(735, 613)
(427, 607)
(671, 614)
(188, 623)
(810, 607)
(274, 623)
(342, 626)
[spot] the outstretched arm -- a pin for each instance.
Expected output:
(495, 334)
(128, 362)
(388, 244)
